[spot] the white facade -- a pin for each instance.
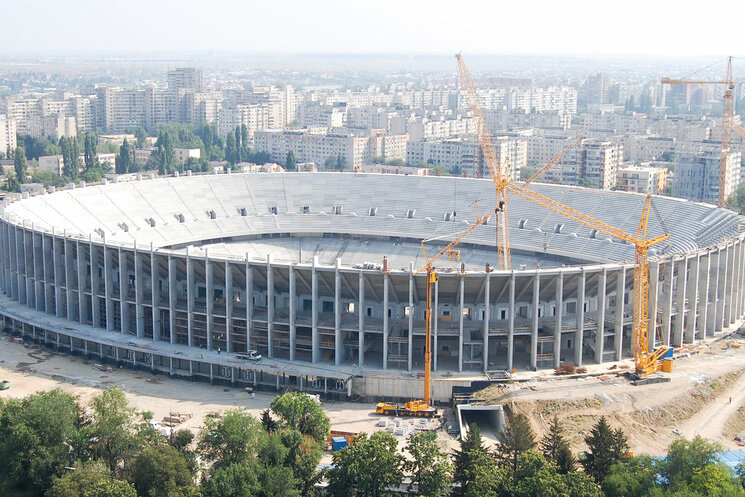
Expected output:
(7, 135)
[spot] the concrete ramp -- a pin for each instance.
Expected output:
(489, 419)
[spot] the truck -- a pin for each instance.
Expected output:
(413, 408)
(251, 355)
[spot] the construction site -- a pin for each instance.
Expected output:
(415, 292)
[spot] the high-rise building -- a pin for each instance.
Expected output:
(697, 176)
(7, 135)
(185, 78)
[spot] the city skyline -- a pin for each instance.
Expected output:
(390, 27)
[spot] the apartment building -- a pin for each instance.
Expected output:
(639, 179)
(7, 135)
(697, 176)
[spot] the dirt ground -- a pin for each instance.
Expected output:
(37, 369)
(695, 401)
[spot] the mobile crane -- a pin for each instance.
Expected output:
(422, 407)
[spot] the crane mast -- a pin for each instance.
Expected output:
(728, 124)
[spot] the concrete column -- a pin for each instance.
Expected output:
(534, 334)
(155, 292)
(270, 305)
(361, 320)
(729, 316)
(411, 315)
(711, 278)
(124, 316)
(45, 271)
(487, 279)
(740, 271)
(738, 280)
(692, 296)
(69, 276)
(293, 304)
(558, 315)
(620, 292)
(703, 295)
(680, 294)
(249, 302)
(600, 334)
(654, 289)
(36, 286)
(228, 306)
(720, 286)
(338, 341)
(16, 267)
(21, 269)
(385, 320)
(108, 286)
(139, 307)
(209, 299)
(460, 322)
(189, 297)
(314, 311)
(579, 334)
(667, 301)
(82, 276)
(511, 325)
(435, 319)
(171, 296)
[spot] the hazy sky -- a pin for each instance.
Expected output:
(653, 27)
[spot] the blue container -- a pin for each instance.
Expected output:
(338, 443)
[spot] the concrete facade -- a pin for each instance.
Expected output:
(314, 316)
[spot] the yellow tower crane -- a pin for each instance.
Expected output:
(645, 362)
(728, 123)
(499, 173)
(422, 407)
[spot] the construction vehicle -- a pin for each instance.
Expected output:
(423, 407)
(645, 362)
(728, 124)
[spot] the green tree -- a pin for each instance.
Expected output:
(70, 157)
(235, 480)
(606, 447)
(555, 448)
(141, 137)
(39, 437)
(230, 149)
(181, 439)
(92, 479)
(634, 477)
(302, 457)
(278, 481)
(736, 201)
(114, 433)
(230, 438)
(299, 411)
(90, 158)
(341, 162)
(684, 458)
(268, 422)
(715, 480)
(329, 163)
(470, 461)
(166, 160)
(290, 162)
(238, 149)
(161, 471)
(515, 438)
(244, 141)
(19, 163)
(429, 466)
(367, 468)
(124, 159)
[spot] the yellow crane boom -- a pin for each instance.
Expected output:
(645, 363)
(499, 173)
